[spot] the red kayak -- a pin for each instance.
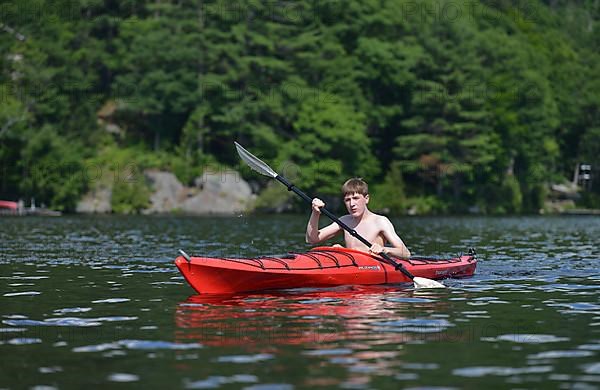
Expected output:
(319, 267)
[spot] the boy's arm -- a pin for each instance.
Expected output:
(321, 235)
(398, 248)
(313, 234)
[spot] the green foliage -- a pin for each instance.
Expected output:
(13, 120)
(183, 170)
(274, 197)
(130, 197)
(590, 200)
(330, 143)
(505, 198)
(590, 148)
(55, 173)
(438, 113)
(389, 196)
(428, 204)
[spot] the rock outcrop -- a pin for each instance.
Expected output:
(565, 191)
(96, 201)
(168, 192)
(210, 194)
(218, 194)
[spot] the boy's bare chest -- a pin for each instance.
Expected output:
(370, 232)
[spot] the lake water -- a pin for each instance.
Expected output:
(98, 302)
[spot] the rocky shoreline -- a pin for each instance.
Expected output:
(209, 194)
(229, 194)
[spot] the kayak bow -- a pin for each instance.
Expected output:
(319, 267)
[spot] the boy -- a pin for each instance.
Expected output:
(375, 228)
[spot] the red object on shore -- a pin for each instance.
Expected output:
(320, 267)
(6, 204)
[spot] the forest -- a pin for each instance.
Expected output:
(442, 106)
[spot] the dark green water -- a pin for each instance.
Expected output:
(98, 302)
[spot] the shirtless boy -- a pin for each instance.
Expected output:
(375, 228)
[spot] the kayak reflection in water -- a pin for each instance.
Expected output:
(375, 228)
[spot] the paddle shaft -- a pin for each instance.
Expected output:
(347, 228)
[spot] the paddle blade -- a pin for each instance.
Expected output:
(254, 162)
(426, 283)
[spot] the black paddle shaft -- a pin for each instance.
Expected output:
(354, 233)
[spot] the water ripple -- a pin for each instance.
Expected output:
(480, 371)
(560, 354)
(22, 293)
(72, 310)
(214, 382)
(416, 325)
(245, 358)
(328, 352)
(137, 345)
(50, 370)
(591, 347)
(122, 377)
(527, 338)
(408, 300)
(270, 386)
(318, 301)
(24, 341)
(593, 368)
(112, 300)
(68, 321)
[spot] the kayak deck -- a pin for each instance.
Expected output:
(320, 267)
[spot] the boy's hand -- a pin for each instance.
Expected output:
(377, 249)
(317, 204)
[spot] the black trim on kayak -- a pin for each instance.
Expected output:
(421, 260)
(316, 260)
(277, 260)
(329, 255)
(319, 255)
(240, 261)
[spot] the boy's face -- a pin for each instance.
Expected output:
(356, 203)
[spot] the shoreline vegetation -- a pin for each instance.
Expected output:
(442, 107)
(225, 193)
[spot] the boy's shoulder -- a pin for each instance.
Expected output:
(380, 217)
(381, 220)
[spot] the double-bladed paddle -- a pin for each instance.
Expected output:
(259, 166)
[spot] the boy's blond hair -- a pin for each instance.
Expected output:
(355, 185)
